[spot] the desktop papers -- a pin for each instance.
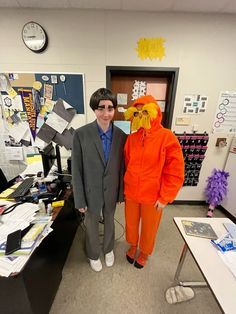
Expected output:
(19, 218)
(14, 264)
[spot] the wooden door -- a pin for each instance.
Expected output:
(160, 83)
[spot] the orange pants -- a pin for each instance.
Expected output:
(150, 219)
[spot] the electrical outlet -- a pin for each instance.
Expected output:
(182, 121)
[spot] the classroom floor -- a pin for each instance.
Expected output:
(125, 289)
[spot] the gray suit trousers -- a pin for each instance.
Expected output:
(93, 246)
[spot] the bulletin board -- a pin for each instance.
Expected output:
(37, 108)
(40, 106)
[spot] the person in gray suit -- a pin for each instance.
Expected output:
(97, 175)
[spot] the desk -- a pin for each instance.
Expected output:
(34, 288)
(218, 277)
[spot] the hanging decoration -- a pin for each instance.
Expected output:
(27, 99)
(216, 189)
(152, 48)
(139, 89)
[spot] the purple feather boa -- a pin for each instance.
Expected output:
(216, 188)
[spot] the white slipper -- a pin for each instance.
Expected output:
(179, 294)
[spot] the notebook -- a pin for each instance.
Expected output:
(199, 229)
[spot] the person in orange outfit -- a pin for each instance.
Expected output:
(154, 174)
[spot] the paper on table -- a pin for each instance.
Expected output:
(14, 264)
(33, 168)
(229, 258)
(19, 218)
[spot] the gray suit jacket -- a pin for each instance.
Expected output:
(95, 183)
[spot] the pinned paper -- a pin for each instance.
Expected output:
(12, 103)
(139, 89)
(48, 91)
(14, 153)
(123, 125)
(53, 79)
(4, 82)
(19, 131)
(37, 85)
(157, 90)
(11, 92)
(56, 122)
(195, 104)
(13, 76)
(122, 99)
(121, 109)
(64, 110)
(45, 78)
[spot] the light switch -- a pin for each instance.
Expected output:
(182, 121)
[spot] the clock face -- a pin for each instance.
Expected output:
(34, 37)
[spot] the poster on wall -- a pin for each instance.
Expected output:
(225, 115)
(38, 106)
(139, 89)
(195, 104)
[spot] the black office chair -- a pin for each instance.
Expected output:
(3, 181)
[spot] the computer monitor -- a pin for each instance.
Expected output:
(58, 159)
(49, 155)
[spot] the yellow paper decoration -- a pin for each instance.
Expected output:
(37, 85)
(152, 48)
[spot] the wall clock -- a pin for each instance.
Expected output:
(34, 37)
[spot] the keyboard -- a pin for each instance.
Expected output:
(22, 189)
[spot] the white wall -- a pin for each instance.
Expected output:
(86, 41)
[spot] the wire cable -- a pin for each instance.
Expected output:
(83, 227)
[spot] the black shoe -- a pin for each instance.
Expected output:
(137, 265)
(130, 259)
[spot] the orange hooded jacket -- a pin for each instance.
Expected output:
(154, 162)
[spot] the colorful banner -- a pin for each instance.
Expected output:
(27, 99)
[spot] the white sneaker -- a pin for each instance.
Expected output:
(109, 259)
(96, 265)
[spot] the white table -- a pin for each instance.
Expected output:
(217, 275)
